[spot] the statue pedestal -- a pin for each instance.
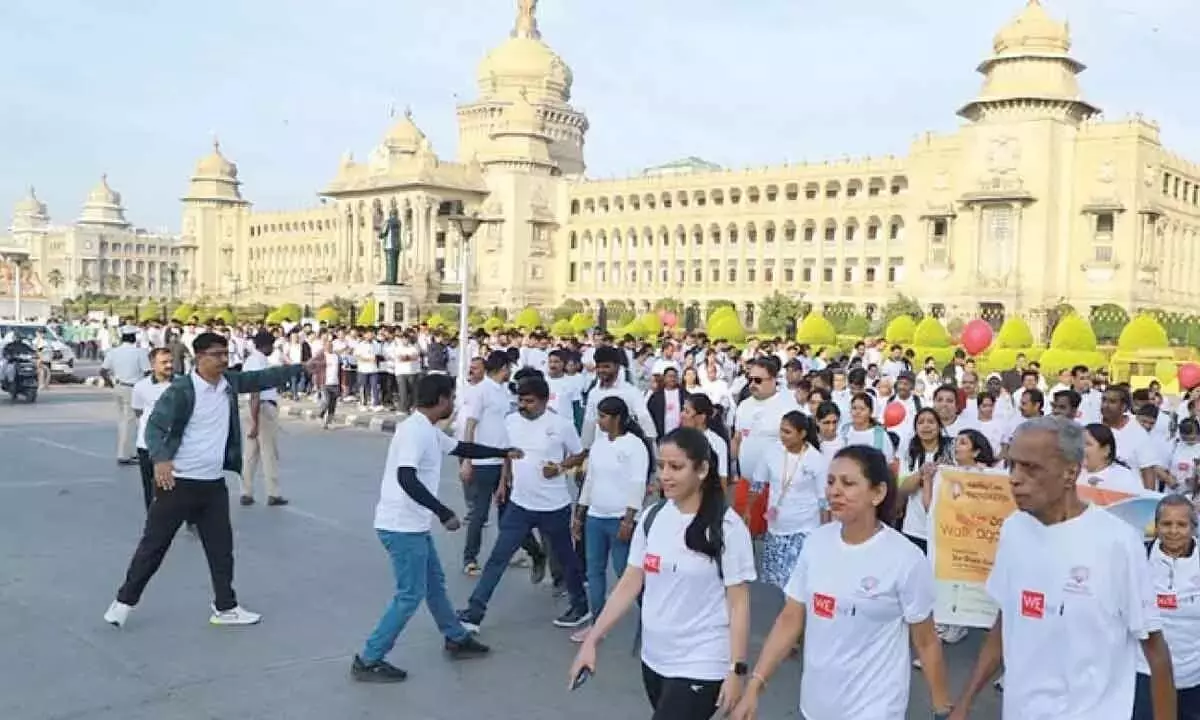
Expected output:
(396, 304)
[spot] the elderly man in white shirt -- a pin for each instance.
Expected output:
(262, 437)
(124, 366)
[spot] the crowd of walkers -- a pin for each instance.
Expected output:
(688, 470)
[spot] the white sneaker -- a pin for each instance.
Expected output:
(237, 616)
(917, 664)
(117, 614)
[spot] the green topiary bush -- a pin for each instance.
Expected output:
(727, 327)
(290, 312)
(493, 324)
(562, 328)
(941, 355)
(528, 319)
(1143, 333)
(582, 322)
(930, 333)
(900, 330)
(368, 315)
(1073, 333)
(329, 315)
(816, 330)
(1056, 360)
(149, 312)
(183, 313)
(1014, 334)
(856, 325)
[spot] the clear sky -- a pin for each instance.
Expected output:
(136, 88)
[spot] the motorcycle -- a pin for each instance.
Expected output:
(18, 376)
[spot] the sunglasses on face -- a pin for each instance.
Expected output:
(757, 380)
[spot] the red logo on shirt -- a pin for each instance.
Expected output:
(652, 563)
(1033, 604)
(1168, 601)
(824, 605)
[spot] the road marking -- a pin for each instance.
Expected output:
(70, 448)
(327, 522)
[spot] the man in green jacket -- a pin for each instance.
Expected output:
(193, 437)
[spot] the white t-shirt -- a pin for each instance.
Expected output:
(859, 601)
(672, 409)
(488, 405)
(616, 476)
(797, 489)
(685, 619)
(1115, 477)
(757, 423)
(201, 453)
(1183, 463)
(564, 393)
(416, 444)
(145, 394)
(916, 515)
(365, 353)
(1177, 593)
(257, 361)
(548, 438)
(875, 436)
(1133, 445)
(721, 449)
(1076, 598)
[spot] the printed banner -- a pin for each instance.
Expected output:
(969, 506)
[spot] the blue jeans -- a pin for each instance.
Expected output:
(419, 577)
(600, 538)
(515, 526)
(368, 388)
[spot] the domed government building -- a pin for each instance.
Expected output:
(1034, 200)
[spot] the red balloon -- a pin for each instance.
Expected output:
(894, 414)
(669, 319)
(976, 337)
(1189, 376)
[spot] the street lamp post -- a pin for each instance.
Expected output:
(467, 226)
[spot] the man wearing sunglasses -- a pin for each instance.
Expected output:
(756, 421)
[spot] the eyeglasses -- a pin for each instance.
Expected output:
(757, 380)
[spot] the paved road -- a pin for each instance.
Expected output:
(69, 519)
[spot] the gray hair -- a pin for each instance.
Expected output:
(1174, 500)
(1068, 432)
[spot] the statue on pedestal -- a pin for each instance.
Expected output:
(393, 245)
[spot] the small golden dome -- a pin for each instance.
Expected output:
(1033, 31)
(30, 206)
(405, 136)
(525, 61)
(215, 165)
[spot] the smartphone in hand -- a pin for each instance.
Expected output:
(584, 675)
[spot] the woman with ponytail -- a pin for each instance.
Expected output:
(700, 414)
(613, 492)
(693, 558)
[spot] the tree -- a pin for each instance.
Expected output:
(150, 311)
(857, 325)
(839, 314)
(903, 305)
(83, 282)
(183, 313)
(134, 283)
(715, 305)
(900, 330)
(670, 305)
(55, 278)
(329, 315)
(112, 283)
(816, 330)
(776, 313)
(367, 317)
(252, 313)
(1143, 333)
(1108, 320)
(528, 319)
(567, 309)
(343, 305)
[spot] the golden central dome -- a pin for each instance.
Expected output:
(1033, 31)
(215, 165)
(526, 62)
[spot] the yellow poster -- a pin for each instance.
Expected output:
(968, 508)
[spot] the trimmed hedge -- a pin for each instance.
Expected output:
(727, 327)
(1073, 333)
(493, 324)
(941, 355)
(816, 330)
(329, 315)
(582, 322)
(1143, 333)
(900, 330)
(528, 319)
(562, 328)
(1055, 360)
(1014, 334)
(930, 333)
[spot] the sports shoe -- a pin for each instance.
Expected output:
(468, 647)
(235, 616)
(468, 621)
(117, 614)
(472, 569)
(573, 618)
(380, 672)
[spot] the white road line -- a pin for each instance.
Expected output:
(327, 522)
(71, 448)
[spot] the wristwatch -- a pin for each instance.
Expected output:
(740, 669)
